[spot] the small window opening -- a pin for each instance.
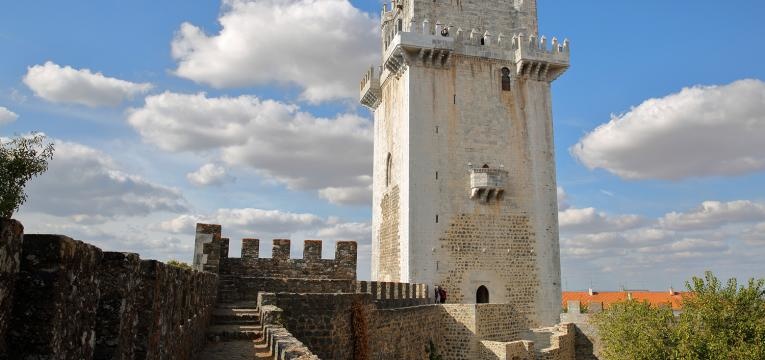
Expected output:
(482, 295)
(400, 25)
(436, 129)
(455, 98)
(506, 79)
(485, 166)
(483, 41)
(388, 168)
(436, 218)
(436, 175)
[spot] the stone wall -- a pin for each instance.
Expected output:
(323, 322)
(11, 233)
(404, 333)
(54, 308)
(586, 335)
(73, 301)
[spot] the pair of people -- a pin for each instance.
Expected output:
(440, 295)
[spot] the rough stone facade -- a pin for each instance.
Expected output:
(73, 301)
(54, 310)
(587, 341)
(11, 234)
(463, 135)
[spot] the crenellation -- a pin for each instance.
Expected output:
(280, 250)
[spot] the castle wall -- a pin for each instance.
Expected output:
(468, 246)
(11, 234)
(74, 301)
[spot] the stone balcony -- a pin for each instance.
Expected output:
(370, 91)
(488, 183)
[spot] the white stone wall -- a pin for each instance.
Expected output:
(439, 120)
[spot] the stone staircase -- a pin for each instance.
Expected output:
(235, 333)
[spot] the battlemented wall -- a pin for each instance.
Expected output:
(73, 301)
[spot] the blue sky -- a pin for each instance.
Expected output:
(669, 190)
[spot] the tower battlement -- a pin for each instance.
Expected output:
(434, 45)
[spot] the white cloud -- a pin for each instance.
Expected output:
(589, 220)
(323, 46)
(68, 85)
(85, 185)
(712, 214)
(276, 139)
(700, 131)
(209, 174)
(755, 235)
(7, 116)
(562, 199)
(351, 195)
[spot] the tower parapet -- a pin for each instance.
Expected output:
(434, 45)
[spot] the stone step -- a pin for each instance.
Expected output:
(232, 332)
(236, 316)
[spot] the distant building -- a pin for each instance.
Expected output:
(604, 299)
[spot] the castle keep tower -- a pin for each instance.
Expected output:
(464, 167)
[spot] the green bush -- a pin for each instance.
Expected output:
(179, 264)
(21, 159)
(718, 322)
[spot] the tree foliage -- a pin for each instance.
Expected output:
(634, 330)
(179, 264)
(718, 322)
(21, 159)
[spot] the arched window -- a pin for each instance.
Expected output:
(483, 41)
(388, 168)
(506, 79)
(485, 166)
(482, 295)
(400, 25)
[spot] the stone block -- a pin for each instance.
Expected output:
(312, 250)
(54, 312)
(281, 250)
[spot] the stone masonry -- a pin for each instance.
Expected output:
(73, 301)
(11, 232)
(464, 143)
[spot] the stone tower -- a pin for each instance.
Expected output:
(464, 168)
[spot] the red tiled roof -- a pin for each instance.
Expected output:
(655, 298)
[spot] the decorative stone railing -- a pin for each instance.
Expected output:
(487, 184)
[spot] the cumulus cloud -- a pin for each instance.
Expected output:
(80, 86)
(276, 139)
(322, 46)
(209, 174)
(562, 199)
(351, 195)
(588, 220)
(700, 131)
(7, 116)
(86, 185)
(702, 233)
(712, 214)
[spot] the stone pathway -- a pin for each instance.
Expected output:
(235, 334)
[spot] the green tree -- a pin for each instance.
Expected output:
(21, 159)
(634, 330)
(722, 321)
(179, 264)
(718, 322)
